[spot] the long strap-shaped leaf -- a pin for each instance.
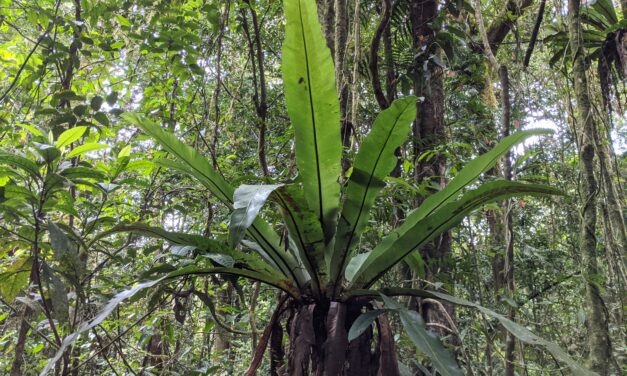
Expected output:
(373, 163)
(305, 232)
(517, 330)
(196, 165)
(251, 261)
(468, 175)
(313, 107)
(398, 244)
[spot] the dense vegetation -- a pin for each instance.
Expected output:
(305, 187)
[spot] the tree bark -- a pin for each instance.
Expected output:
(318, 335)
(429, 130)
(599, 347)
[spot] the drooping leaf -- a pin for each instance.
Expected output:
(403, 241)
(60, 242)
(205, 245)
(102, 315)
(194, 164)
(373, 163)
(416, 263)
(57, 294)
(65, 250)
(313, 107)
(69, 136)
(25, 164)
(48, 152)
(517, 330)
(428, 343)
(363, 322)
(425, 341)
(247, 202)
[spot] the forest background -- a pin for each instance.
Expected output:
(94, 201)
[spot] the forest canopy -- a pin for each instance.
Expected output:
(313, 187)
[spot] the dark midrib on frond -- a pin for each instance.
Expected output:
(492, 161)
(273, 252)
(363, 198)
(313, 116)
(255, 231)
(462, 211)
(460, 188)
(254, 275)
(164, 137)
(312, 271)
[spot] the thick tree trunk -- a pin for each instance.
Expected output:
(318, 335)
(599, 347)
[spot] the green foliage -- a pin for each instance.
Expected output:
(313, 106)
(137, 234)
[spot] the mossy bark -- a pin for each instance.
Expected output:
(599, 347)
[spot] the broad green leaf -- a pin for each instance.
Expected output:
(82, 172)
(96, 102)
(82, 149)
(427, 343)
(57, 294)
(31, 128)
(194, 164)
(247, 202)
(69, 136)
(124, 152)
(403, 241)
(305, 232)
(14, 277)
(363, 322)
(102, 118)
(313, 108)
(25, 164)
(468, 175)
(123, 21)
(373, 163)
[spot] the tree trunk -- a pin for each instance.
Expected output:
(318, 336)
(429, 132)
(599, 347)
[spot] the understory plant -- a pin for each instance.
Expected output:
(329, 284)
